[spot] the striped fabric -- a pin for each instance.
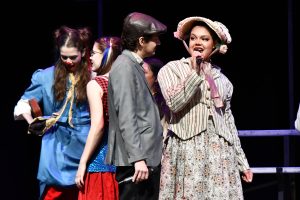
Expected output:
(188, 96)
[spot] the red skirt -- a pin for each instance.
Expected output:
(100, 186)
(60, 193)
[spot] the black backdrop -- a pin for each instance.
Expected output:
(256, 63)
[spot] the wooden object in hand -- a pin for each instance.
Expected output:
(35, 108)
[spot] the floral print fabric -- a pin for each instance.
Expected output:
(201, 168)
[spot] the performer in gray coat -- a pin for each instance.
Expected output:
(135, 132)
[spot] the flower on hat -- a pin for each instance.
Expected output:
(176, 35)
(220, 48)
(223, 48)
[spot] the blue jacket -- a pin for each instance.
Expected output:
(62, 145)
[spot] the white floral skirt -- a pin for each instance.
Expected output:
(201, 168)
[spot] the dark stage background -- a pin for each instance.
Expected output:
(257, 63)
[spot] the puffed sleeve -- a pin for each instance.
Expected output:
(33, 91)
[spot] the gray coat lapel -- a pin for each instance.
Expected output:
(139, 68)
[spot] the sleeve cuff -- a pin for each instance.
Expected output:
(21, 108)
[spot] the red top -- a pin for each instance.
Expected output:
(103, 82)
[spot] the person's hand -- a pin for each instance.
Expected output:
(196, 55)
(79, 180)
(37, 126)
(247, 176)
(28, 117)
(141, 172)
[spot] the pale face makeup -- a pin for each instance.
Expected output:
(71, 57)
